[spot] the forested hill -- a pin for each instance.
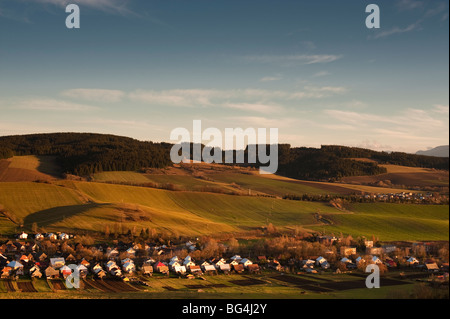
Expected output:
(87, 153)
(334, 162)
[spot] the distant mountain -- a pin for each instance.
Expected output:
(440, 151)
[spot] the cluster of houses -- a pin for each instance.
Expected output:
(403, 196)
(19, 258)
(24, 257)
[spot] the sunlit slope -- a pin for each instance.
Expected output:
(25, 198)
(89, 206)
(393, 221)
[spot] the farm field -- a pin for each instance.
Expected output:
(89, 206)
(270, 285)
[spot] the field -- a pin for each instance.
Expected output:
(192, 209)
(269, 285)
(28, 169)
(402, 175)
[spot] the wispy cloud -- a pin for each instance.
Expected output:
(257, 99)
(294, 59)
(96, 95)
(404, 5)
(47, 104)
(270, 78)
(398, 30)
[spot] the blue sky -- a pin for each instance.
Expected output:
(310, 68)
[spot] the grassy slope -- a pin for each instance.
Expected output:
(393, 221)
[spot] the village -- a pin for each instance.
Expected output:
(54, 256)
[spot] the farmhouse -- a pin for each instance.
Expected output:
(161, 268)
(23, 235)
(57, 262)
(51, 273)
(147, 269)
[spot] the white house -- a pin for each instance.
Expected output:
(23, 235)
(129, 267)
(180, 269)
(63, 236)
(52, 236)
(38, 236)
(246, 262)
(57, 262)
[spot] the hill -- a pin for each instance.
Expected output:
(79, 207)
(84, 154)
(440, 151)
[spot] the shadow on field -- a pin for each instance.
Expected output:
(48, 165)
(56, 214)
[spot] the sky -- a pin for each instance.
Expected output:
(312, 69)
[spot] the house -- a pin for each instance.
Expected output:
(239, 268)
(65, 271)
(63, 236)
(131, 252)
(112, 253)
(375, 251)
(51, 273)
(274, 264)
(129, 267)
(38, 236)
(389, 249)
(188, 263)
(57, 262)
(85, 263)
(348, 251)
(433, 267)
(225, 268)
(181, 270)
(82, 270)
(368, 243)
(24, 258)
(173, 264)
(253, 268)
(376, 260)
(71, 258)
(308, 263)
(6, 272)
(149, 261)
(236, 257)
(98, 271)
(161, 268)
(210, 269)
(52, 236)
(345, 260)
(35, 272)
(15, 265)
(221, 261)
(412, 261)
(23, 235)
(195, 270)
(147, 269)
(320, 260)
(245, 262)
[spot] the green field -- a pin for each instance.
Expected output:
(72, 206)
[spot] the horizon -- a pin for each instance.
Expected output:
(222, 149)
(142, 69)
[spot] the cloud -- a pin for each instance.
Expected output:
(321, 73)
(96, 95)
(270, 78)
(406, 5)
(254, 107)
(397, 30)
(47, 104)
(441, 109)
(256, 98)
(294, 59)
